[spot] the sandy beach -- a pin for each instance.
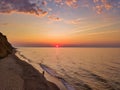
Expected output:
(10, 74)
(16, 74)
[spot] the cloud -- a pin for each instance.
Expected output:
(72, 3)
(99, 9)
(40, 7)
(93, 28)
(58, 1)
(54, 18)
(101, 5)
(44, 3)
(49, 9)
(3, 24)
(95, 1)
(26, 6)
(108, 6)
(74, 22)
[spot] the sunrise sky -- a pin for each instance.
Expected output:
(62, 22)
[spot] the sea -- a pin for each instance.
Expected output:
(78, 68)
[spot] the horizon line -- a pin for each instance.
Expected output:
(74, 46)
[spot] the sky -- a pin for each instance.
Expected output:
(61, 22)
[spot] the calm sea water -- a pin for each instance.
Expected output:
(83, 68)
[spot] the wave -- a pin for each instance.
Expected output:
(18, 53)
(99, 79)
(56, 75)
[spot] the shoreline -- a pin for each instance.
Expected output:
(48, 76)
(53, 73)
(17, 74)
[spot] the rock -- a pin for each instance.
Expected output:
(5, 47)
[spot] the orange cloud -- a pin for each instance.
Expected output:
(75, 22)
(108, 6)
(58, 1)
(95, 1)
(43, 13)
(99, 9)
(103, 5)
(54, 18)
(72, 3)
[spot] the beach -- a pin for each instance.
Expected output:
(16, 74)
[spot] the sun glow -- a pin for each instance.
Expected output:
(57, 46)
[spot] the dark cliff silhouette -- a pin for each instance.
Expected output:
(5, 47)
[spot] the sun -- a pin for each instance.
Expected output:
(57, 46)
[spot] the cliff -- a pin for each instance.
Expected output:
(16, 74)
(5, 47)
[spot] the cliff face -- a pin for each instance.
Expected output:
(5, 47)
(16, 74)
